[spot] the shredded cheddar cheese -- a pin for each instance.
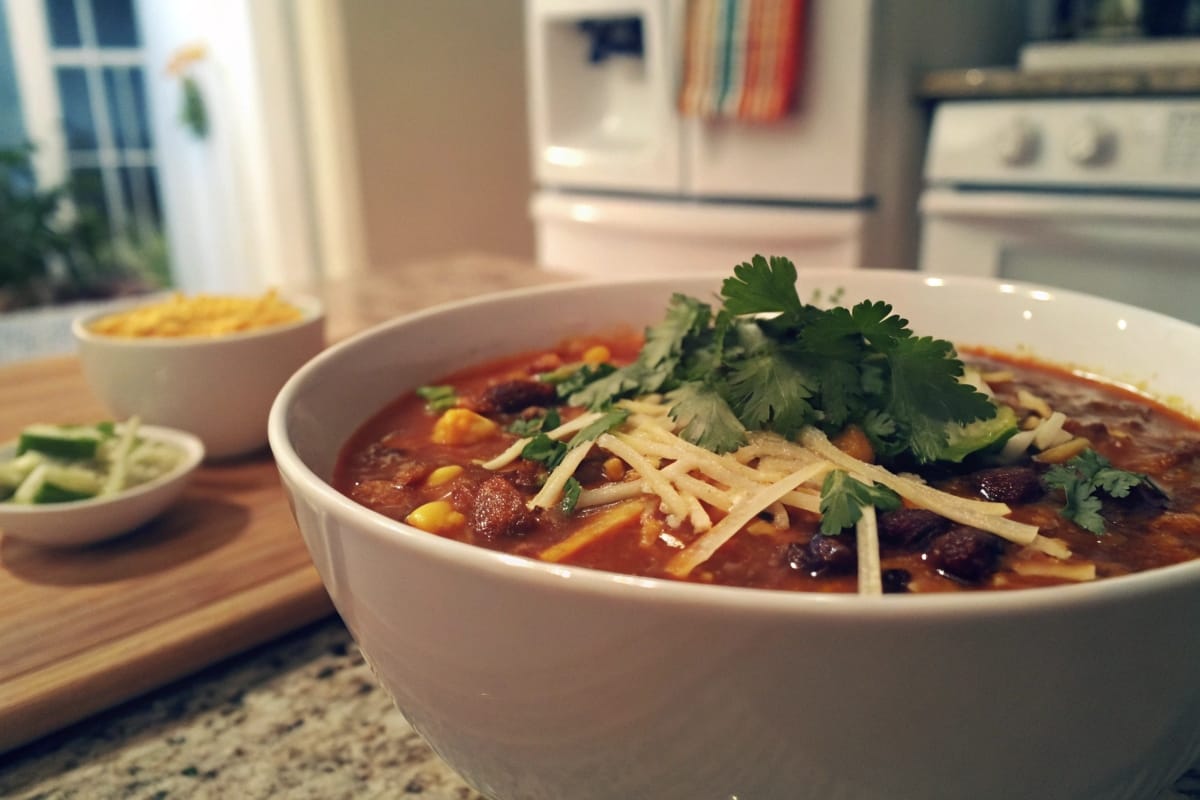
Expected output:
(198, 315)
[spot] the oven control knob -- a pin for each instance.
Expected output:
(1017, 142)
(1091, 143)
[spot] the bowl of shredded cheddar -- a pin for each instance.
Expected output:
(207, 364)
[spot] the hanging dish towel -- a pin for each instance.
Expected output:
(741, 58)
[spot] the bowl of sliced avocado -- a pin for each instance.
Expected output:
(66, 485)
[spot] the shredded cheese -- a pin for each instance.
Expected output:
(605, 522)
(870, 572)
(513, 451)
(198, 315)
(675, 506)
(552, 489)
(1083, 571)
(702, 548)
(975, 513)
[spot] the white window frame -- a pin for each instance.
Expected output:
(283, 136)
(36, 63)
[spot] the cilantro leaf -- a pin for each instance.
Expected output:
(843, 498)
(438, 398)
(1081, 478)
(606, 423)
(770, 392)
(706, 419)
(656, 365)
(530, 427)
(878, 325)
(762, 287)
(607, 387)
(570, 496)
(926, 394)
(544, 450)
(664, 342)
(576, 379)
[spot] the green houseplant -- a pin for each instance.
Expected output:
(52, 251)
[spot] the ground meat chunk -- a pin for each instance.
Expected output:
(496, 508)
(526, 475)
(823, 555)
(1008, 484)
(965, 554)
(906, 527)
(511, 396)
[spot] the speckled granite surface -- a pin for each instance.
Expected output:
(300, 718)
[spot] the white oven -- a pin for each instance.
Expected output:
(1096, 195)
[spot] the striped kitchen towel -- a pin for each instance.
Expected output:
(742, 58)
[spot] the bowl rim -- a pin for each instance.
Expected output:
(628, 588)
(312, 310)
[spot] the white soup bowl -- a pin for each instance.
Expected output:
(537, 680)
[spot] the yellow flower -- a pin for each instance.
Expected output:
(185, 56)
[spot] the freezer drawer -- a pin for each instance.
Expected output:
(611, 236)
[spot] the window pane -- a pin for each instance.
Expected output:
(87, 188)
(126, 98)
(115, 23)
(140, 190)
(64, 25)
(76, 108)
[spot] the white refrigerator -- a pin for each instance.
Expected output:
(624, 183)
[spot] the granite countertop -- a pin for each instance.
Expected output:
(1007, 83)
(299, 717)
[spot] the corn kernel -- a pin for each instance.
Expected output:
(596, 354)
(614, 469)
(443, 475)
(463, 426)
(435, 517)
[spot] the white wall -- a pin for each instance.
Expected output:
(437, 97)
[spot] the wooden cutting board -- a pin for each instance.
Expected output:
(81, 630)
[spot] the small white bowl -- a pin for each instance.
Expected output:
(219, 388)
(80, 522)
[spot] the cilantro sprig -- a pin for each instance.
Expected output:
(438, 398)
(766, 360)
(1083, 480)
(844, 497)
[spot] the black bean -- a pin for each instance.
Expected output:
(823, 555)
(895, 581)
(1008, 484)
(965, 554)
(510, 396)
(907, 527)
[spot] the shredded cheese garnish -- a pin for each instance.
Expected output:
(721, 495)
(513, 451)
(975, 513)
(605, 522)
(866, 533)
(552, 489)
(701, 549)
